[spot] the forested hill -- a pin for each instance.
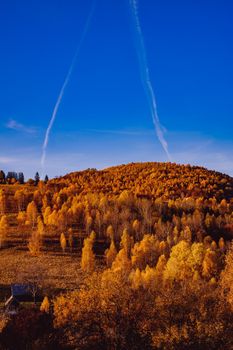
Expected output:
(173, 202)
(156, 180)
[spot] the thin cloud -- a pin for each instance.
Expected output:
(14, 125)
(6, 160)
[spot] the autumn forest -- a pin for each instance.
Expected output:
(137, 256)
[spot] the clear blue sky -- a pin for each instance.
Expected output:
(104, 118)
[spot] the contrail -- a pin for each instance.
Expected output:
(66, 81)
(145, 78)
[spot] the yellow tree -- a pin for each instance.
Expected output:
(47, 212)
(40, 226)
(63, 242)
(160, 268)
(34, 244)
(21, 217)
(2, 202)
(110, 232)
(187, 234)
(177, 267)
(88, 256)
(45, 305)
(221, 244)
(136, 227)
(32, 213)
(227, 277)
(145, 252)
(210, 264)
(110, 254)
(122, 262)
(3, 229)
(136, 278)
(70, 239)
(20, 199)
(126, 242)
(89, 221)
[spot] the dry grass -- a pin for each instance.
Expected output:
(54, 271)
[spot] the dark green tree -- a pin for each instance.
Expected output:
(21, 178)
(37, 178)
(2, 177)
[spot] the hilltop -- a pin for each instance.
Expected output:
(166, 180)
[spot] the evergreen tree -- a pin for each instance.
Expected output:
(37, 178)
(21, 178)
(2, 177)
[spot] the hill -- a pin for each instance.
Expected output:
(156, 197)
(166, 180)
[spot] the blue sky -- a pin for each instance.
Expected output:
(104, 118)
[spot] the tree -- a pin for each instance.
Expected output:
(21, 218)
(145, 252)
(70, 239)
(122, 263)
(40, 226)
(88, 256)
(136, 227)
(35, 243)
(110, 232)
(221, 244)
(110, 254)
(32, 213)
(126, 242)
(160, 268)
(45, 305)
(2, 202)
(210, 264)
(177, 267)
(89, 222)
(187, 234)
(21, 178)
(19, 196)
(63, 242)
(3, 229)
(227, 277)
(2, 177)
(46, 179)
(37, 178)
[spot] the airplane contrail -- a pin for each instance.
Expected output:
(66, 81)
(145, 78)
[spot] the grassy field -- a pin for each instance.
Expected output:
(52, 271)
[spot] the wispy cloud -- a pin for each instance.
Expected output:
(6, 160)
(14, 125)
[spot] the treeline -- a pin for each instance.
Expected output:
(13, 177)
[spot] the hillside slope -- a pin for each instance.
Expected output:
(166, 180)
